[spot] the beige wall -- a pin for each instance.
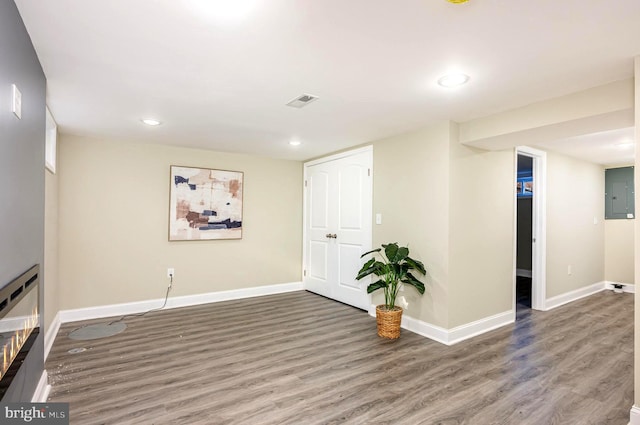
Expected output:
(575, 196)
(453, 206)
(481, 233)
(411, 191)
(457, 215)
(51, 281)
(619, 250)
(113, 203)
(619, 247)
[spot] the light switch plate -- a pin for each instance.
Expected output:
(378, 218)
(16, 103)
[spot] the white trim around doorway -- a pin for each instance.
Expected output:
(539, 231)
(368, 148)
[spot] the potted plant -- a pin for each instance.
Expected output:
(394, 270)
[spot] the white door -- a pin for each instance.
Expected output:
(338, 209)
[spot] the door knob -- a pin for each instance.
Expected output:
(331, 235)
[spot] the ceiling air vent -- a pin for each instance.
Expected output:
(303, 100)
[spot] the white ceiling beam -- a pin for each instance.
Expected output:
(601, 108)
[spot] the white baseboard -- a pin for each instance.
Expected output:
(469, 330)
(50, 336)
(627, 287)
(568, 297)
(174, 302)
(457, 334)
(42, 390)
(634, 415)
(425, 329)
(523, 272)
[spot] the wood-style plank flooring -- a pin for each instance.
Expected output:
(298, 358)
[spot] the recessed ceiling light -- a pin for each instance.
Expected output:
(152, 122)
(295, 143)
(453, 80)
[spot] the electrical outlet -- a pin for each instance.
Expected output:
(171, 272)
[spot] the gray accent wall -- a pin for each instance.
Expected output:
(21, 174)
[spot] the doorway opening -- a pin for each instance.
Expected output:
(524, 236)
(529, 286)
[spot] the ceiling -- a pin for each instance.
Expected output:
(218, 73)
(614, 147)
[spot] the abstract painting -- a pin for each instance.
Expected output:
(205, 204)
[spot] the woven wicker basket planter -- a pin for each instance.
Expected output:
(388, 321)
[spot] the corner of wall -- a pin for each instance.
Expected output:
(420, 158)
(481, 211)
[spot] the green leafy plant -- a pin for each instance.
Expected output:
(395, 268)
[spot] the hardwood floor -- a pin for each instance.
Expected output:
(299, 358)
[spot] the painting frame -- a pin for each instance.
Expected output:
(205, 204)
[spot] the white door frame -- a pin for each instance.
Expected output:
(369, 229)
(539, 228)
(338, 156)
